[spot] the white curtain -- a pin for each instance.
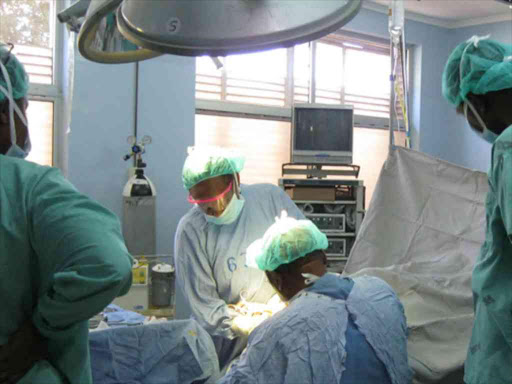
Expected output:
(422, 234)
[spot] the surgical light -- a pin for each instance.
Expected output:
(132, 30)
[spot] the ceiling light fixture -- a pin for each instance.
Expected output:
(119, 31)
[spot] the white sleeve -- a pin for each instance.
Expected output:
(195, 278)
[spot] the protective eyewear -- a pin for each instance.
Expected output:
(212, 199)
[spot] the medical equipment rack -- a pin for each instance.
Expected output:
(336, 206)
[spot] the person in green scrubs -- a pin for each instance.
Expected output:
(478, 81)
(62, 255)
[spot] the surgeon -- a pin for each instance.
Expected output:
(211, 242)
(477, 80)
(334, 330)
(62, 256)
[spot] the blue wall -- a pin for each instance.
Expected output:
(436, 128)
(428, 108)
(167, 113)
(103, 117)
(101, 120)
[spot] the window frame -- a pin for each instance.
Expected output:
(53, 92)
(54, 132)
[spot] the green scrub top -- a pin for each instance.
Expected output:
(489, 358)
(62, 260)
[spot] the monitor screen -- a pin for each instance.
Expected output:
(323, 129)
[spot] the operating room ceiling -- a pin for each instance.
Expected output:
(453, 10)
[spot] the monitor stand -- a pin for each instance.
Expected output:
(318, 170)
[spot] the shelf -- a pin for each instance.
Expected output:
(330, 232)
(316, 170)
(344, 202)
(320, 183)
(338, 215)
(335, 257)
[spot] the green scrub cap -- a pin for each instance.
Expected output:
(17, 74)
(206, 162)
(477, 66)
(287, 240)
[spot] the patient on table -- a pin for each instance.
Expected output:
(334, 329)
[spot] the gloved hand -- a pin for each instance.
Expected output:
(243, 325)
(250, 309)
(24, 348)
(275, 304)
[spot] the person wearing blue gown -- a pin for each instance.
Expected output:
(334, 329)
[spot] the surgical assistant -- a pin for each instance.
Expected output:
(478, 81)
(62, 255)
(334, 330)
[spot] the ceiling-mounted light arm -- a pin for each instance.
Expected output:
(72, 16)
(77, 10)
(99, 39)
(217, 62)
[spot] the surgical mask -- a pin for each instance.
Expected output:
(14, 150)
(20, 153)
(489, 136)
(309, 278)
(486, 134)
(230, 214)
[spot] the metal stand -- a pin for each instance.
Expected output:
(317, 170)
(336, 206)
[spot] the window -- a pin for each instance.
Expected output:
(258, 78)
(367, 89)
(30, 26)
(264, 143)
(40, 125)
(328, 74)
(246, 104)
(301, 73)
(347, 70)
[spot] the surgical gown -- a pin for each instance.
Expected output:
(62, 260)
(210, 262)
(173, 352)
(337, 331)
(489, 358)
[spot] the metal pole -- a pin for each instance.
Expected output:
(405, 76)
(135, 112)
(392, 119)
(312, 83)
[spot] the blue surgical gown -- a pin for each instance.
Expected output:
(62, 260)
(489, 358)
(338, 331)
(210, 262)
